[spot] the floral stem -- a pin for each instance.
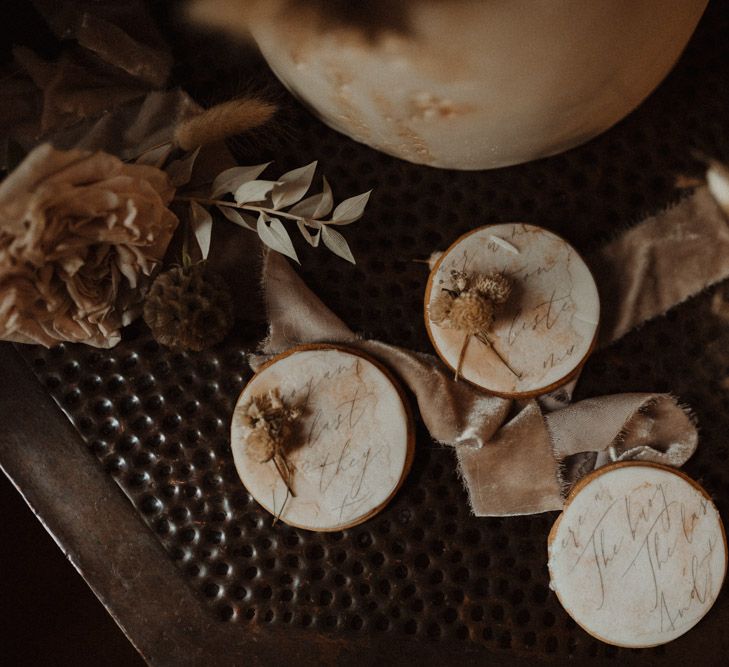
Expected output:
(285, 476)
(283, 507)
(462, 356)
(243, 207)
(489, 343)
(186, 259)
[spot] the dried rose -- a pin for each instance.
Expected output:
(80, 235)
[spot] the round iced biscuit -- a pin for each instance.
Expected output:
(352, 446)
(638, 555)
(544, 333)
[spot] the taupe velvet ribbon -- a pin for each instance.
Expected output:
(521, 458)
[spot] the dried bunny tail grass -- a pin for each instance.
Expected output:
(222, 121)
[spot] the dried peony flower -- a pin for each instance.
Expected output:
(80, 235)
(471, 313)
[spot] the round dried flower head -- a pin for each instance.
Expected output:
(189, 308)
(260, 445)
(440, 308)
(271, 424)
(494, 286)
(471, 313)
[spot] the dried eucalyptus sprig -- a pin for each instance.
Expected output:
(238, 191)
(469, 306)
(282, 199)
(271, 430)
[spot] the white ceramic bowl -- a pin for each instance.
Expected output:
(478, 84)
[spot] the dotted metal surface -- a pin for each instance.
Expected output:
(158, 421)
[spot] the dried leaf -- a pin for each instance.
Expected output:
(311, 239)
(292, 186)
(504, 244)
(247, 221)
(316, 206)
(275, 236)
(180, 171)
(202, 226)
(336, 243)
(155, 157)
(228, 181)
(350, 209)
(253, 191)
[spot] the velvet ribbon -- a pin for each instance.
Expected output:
(522, 457)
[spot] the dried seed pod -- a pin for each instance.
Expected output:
(189, 308)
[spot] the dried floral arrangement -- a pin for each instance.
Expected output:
(270, 423)
(83, 235)
(238, 192)
(469, 305)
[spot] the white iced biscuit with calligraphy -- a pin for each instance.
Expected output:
(638, 555)
(546, 329)
(352, 445)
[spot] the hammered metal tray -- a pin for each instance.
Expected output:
(158, 421)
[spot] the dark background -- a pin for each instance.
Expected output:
(48, 615)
